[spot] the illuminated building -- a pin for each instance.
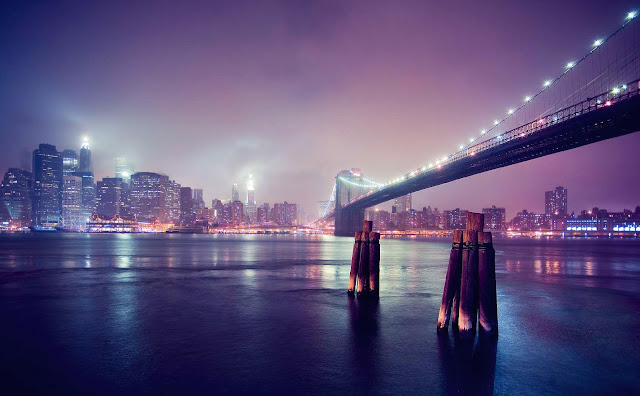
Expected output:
(455, 219)
(555, 202)
(251, 209)
(69, 162)
(284, 213)
(218, 210)
(198, 198)
(109, 197)
(149, 196)
(47, 186)
(403, 203)
(174, 211)
(84, 164)
(15, 196)
(72, 218)
(494, 218)
(88, 194)
(237, 212)
(124, 170)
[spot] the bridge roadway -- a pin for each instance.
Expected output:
(588, 122)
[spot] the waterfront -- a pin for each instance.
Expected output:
(269, 314)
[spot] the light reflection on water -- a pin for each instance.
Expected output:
(192, 313)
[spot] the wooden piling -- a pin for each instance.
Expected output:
(367, 226)
(451, 283)
(355, 260)
(374, 262)
(467, 318)
(363, 266)
(487, 298)
(475, 221)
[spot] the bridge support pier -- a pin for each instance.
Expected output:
(348, 221)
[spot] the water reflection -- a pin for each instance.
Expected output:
(468, 367)
(365, 333)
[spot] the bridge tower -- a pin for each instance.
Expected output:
(349, 185)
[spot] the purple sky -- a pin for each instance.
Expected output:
(295, 91)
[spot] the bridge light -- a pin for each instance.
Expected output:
(483, 131)
(616, 90)
(624, 86)
(431, 165)
(597, 43)
(632, 15)
(571, 65)
(461, 146)
(424, 168)
(527, 98)
(499, 137)
(511, 111)
(471, 140)
(547, 83)
(496, 122)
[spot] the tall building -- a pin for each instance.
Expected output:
(237, 212)
(15, 196)
(124, 170)
(109, 197)
(218, 209)
(149, 196)
(88, 194)
(187, 209)
(47, 185)
(84, 163)
(251, 209)
(403, 203)
(69, 162)
(198, 199)
(235, 196)
(72, 216)
(555, 202)
(494, 218)
(173, 202)
(285, 213)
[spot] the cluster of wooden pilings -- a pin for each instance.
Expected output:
(469, 294)
(365, 262)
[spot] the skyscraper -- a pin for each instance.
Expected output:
(69, 162)
(187, 212)
(47, 185)
(234, 193)
(403, 203)
(198, 199)
(149, 196)
(251, 208)
(109, 197)
(15, 195)
(88, 194)
(72, 216)
(555, 202)
(124, 170)
(84, 164)
(173, 202)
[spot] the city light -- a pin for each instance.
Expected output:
(570, 65)
(510, 111)
(483, 131)
(597, 43)
(527, 98)
(547, 83)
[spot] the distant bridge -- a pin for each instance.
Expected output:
(594, 99)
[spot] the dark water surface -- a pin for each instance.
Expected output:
(212, 314)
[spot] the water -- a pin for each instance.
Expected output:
(269, 315)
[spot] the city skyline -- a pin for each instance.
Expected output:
(212, 136)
